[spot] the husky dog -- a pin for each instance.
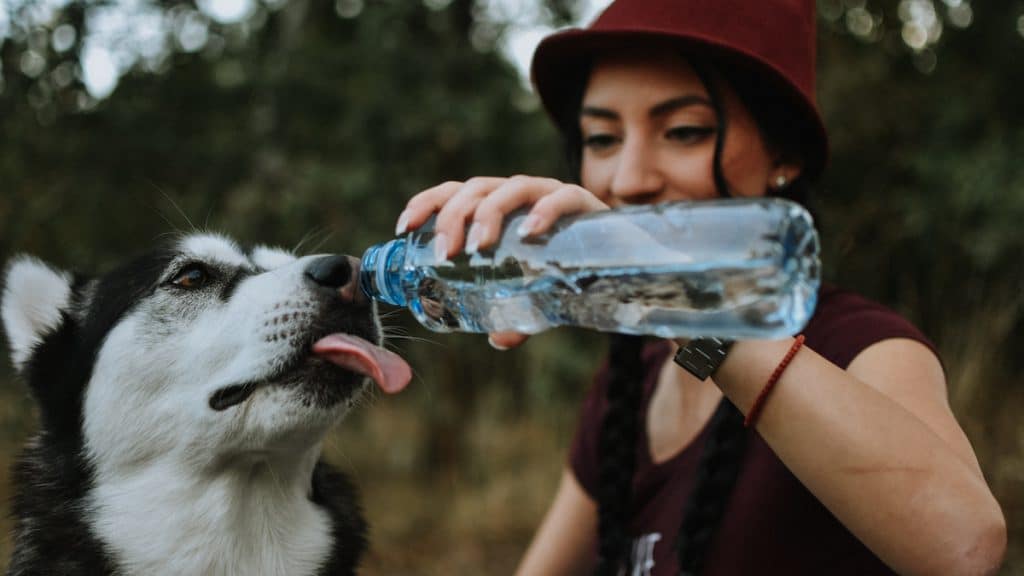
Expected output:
(183, 400)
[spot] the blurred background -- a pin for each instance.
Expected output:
(310, 122)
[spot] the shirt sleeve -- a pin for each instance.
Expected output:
(847, 324)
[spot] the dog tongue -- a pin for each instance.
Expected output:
(386, 368)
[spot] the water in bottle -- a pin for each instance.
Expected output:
(732, 268)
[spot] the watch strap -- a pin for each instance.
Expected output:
(702, 356)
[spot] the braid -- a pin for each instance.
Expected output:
(716, 475)
(617, 443)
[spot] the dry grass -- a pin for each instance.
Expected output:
(473, 518)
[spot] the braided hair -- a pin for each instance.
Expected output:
(617, 445)
(715, 477)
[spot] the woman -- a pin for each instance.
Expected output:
(854, 463)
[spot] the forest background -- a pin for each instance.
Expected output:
(312, 121)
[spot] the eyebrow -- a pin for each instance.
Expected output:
(659, 109)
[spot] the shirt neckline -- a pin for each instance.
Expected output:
(659, 355)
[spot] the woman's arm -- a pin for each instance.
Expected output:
(565, 541)
(878, 445)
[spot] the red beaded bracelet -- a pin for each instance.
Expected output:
(755, 410)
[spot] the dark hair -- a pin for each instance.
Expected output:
(617, 445)
(726, 443)
(716, 476)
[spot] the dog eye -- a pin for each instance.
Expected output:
(192, 277)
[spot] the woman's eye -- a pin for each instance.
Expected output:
(689, 133)
(191, 277)
(599, 141)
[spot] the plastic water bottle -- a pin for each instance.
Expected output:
(734, 268)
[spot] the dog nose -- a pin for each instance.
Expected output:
(339, 274)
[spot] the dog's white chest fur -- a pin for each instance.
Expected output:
(247, 520)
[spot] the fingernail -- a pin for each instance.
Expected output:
(527, 226)
(440, 247)
(403, 223)
(495, 345)
(473, 239)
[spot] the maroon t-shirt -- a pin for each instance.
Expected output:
(772, 524)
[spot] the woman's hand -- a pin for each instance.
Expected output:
(482, 204)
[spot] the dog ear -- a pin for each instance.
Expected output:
(34, 297)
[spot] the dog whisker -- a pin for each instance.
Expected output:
(397, 330)
(178, 208)
(319, 244)
(334, 447)
(413, 339)
(309, 236)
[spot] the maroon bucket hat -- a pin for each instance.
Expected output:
(775, 38)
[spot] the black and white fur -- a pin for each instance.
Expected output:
(181, 426)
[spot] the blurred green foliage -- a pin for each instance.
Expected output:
(311, 122)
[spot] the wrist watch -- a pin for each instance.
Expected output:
(702, 356)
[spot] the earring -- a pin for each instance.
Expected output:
(781, 181)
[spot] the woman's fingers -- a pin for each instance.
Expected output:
(549, 200)
(450, 226)
(566, 199)
(420, 207)
(506, 340)
(487, 202)
(453, 202)
(514, 193)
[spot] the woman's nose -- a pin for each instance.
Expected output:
(637, 177)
